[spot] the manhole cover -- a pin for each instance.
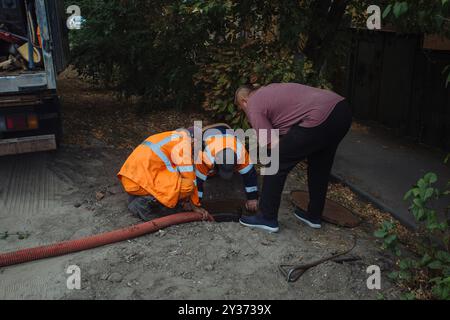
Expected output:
(229, 210)
(334, 213)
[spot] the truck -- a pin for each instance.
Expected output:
(34, 49)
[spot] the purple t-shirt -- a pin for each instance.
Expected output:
(283, 105)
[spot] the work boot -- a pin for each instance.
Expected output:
(307, 219)
(144, 207)
(260, 222)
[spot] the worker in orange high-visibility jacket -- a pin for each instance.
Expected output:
(160, 177)
(224, 154)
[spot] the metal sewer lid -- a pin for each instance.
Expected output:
(334, 213)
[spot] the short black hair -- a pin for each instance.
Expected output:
(248, 88)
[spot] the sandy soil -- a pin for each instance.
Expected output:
(195, 261)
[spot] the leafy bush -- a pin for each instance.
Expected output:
(139, 48)
(256, 64)
(430, 269)
(163, 50)
(430, 16)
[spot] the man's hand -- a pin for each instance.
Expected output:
(251, 205)
(201, 210)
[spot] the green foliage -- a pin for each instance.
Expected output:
(139, 48)
(258, 64)
(434, 257)
(390, 239)
(163, 50)
(397, 9)
(260, 44)
(419, 16)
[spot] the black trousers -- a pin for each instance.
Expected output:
(318, 146)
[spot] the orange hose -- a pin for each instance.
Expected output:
(62, 248)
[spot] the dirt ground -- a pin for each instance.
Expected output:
(82, 196)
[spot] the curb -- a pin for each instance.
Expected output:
(378, 204)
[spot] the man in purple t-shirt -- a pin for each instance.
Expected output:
(312, 122)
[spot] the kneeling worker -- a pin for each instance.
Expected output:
(159, 178)
(223, 154)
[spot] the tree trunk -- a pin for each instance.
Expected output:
(326, 19)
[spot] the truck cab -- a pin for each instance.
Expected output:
(33, 50)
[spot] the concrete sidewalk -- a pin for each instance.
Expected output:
(382, 168)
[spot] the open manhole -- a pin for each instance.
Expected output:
(228, 210)
(333, 213)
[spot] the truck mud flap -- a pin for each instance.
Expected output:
(27, 145)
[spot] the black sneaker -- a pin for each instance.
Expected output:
(260, 222)
(307, 219)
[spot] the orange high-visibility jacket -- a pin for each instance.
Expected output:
(205, 165)
(162, 166)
